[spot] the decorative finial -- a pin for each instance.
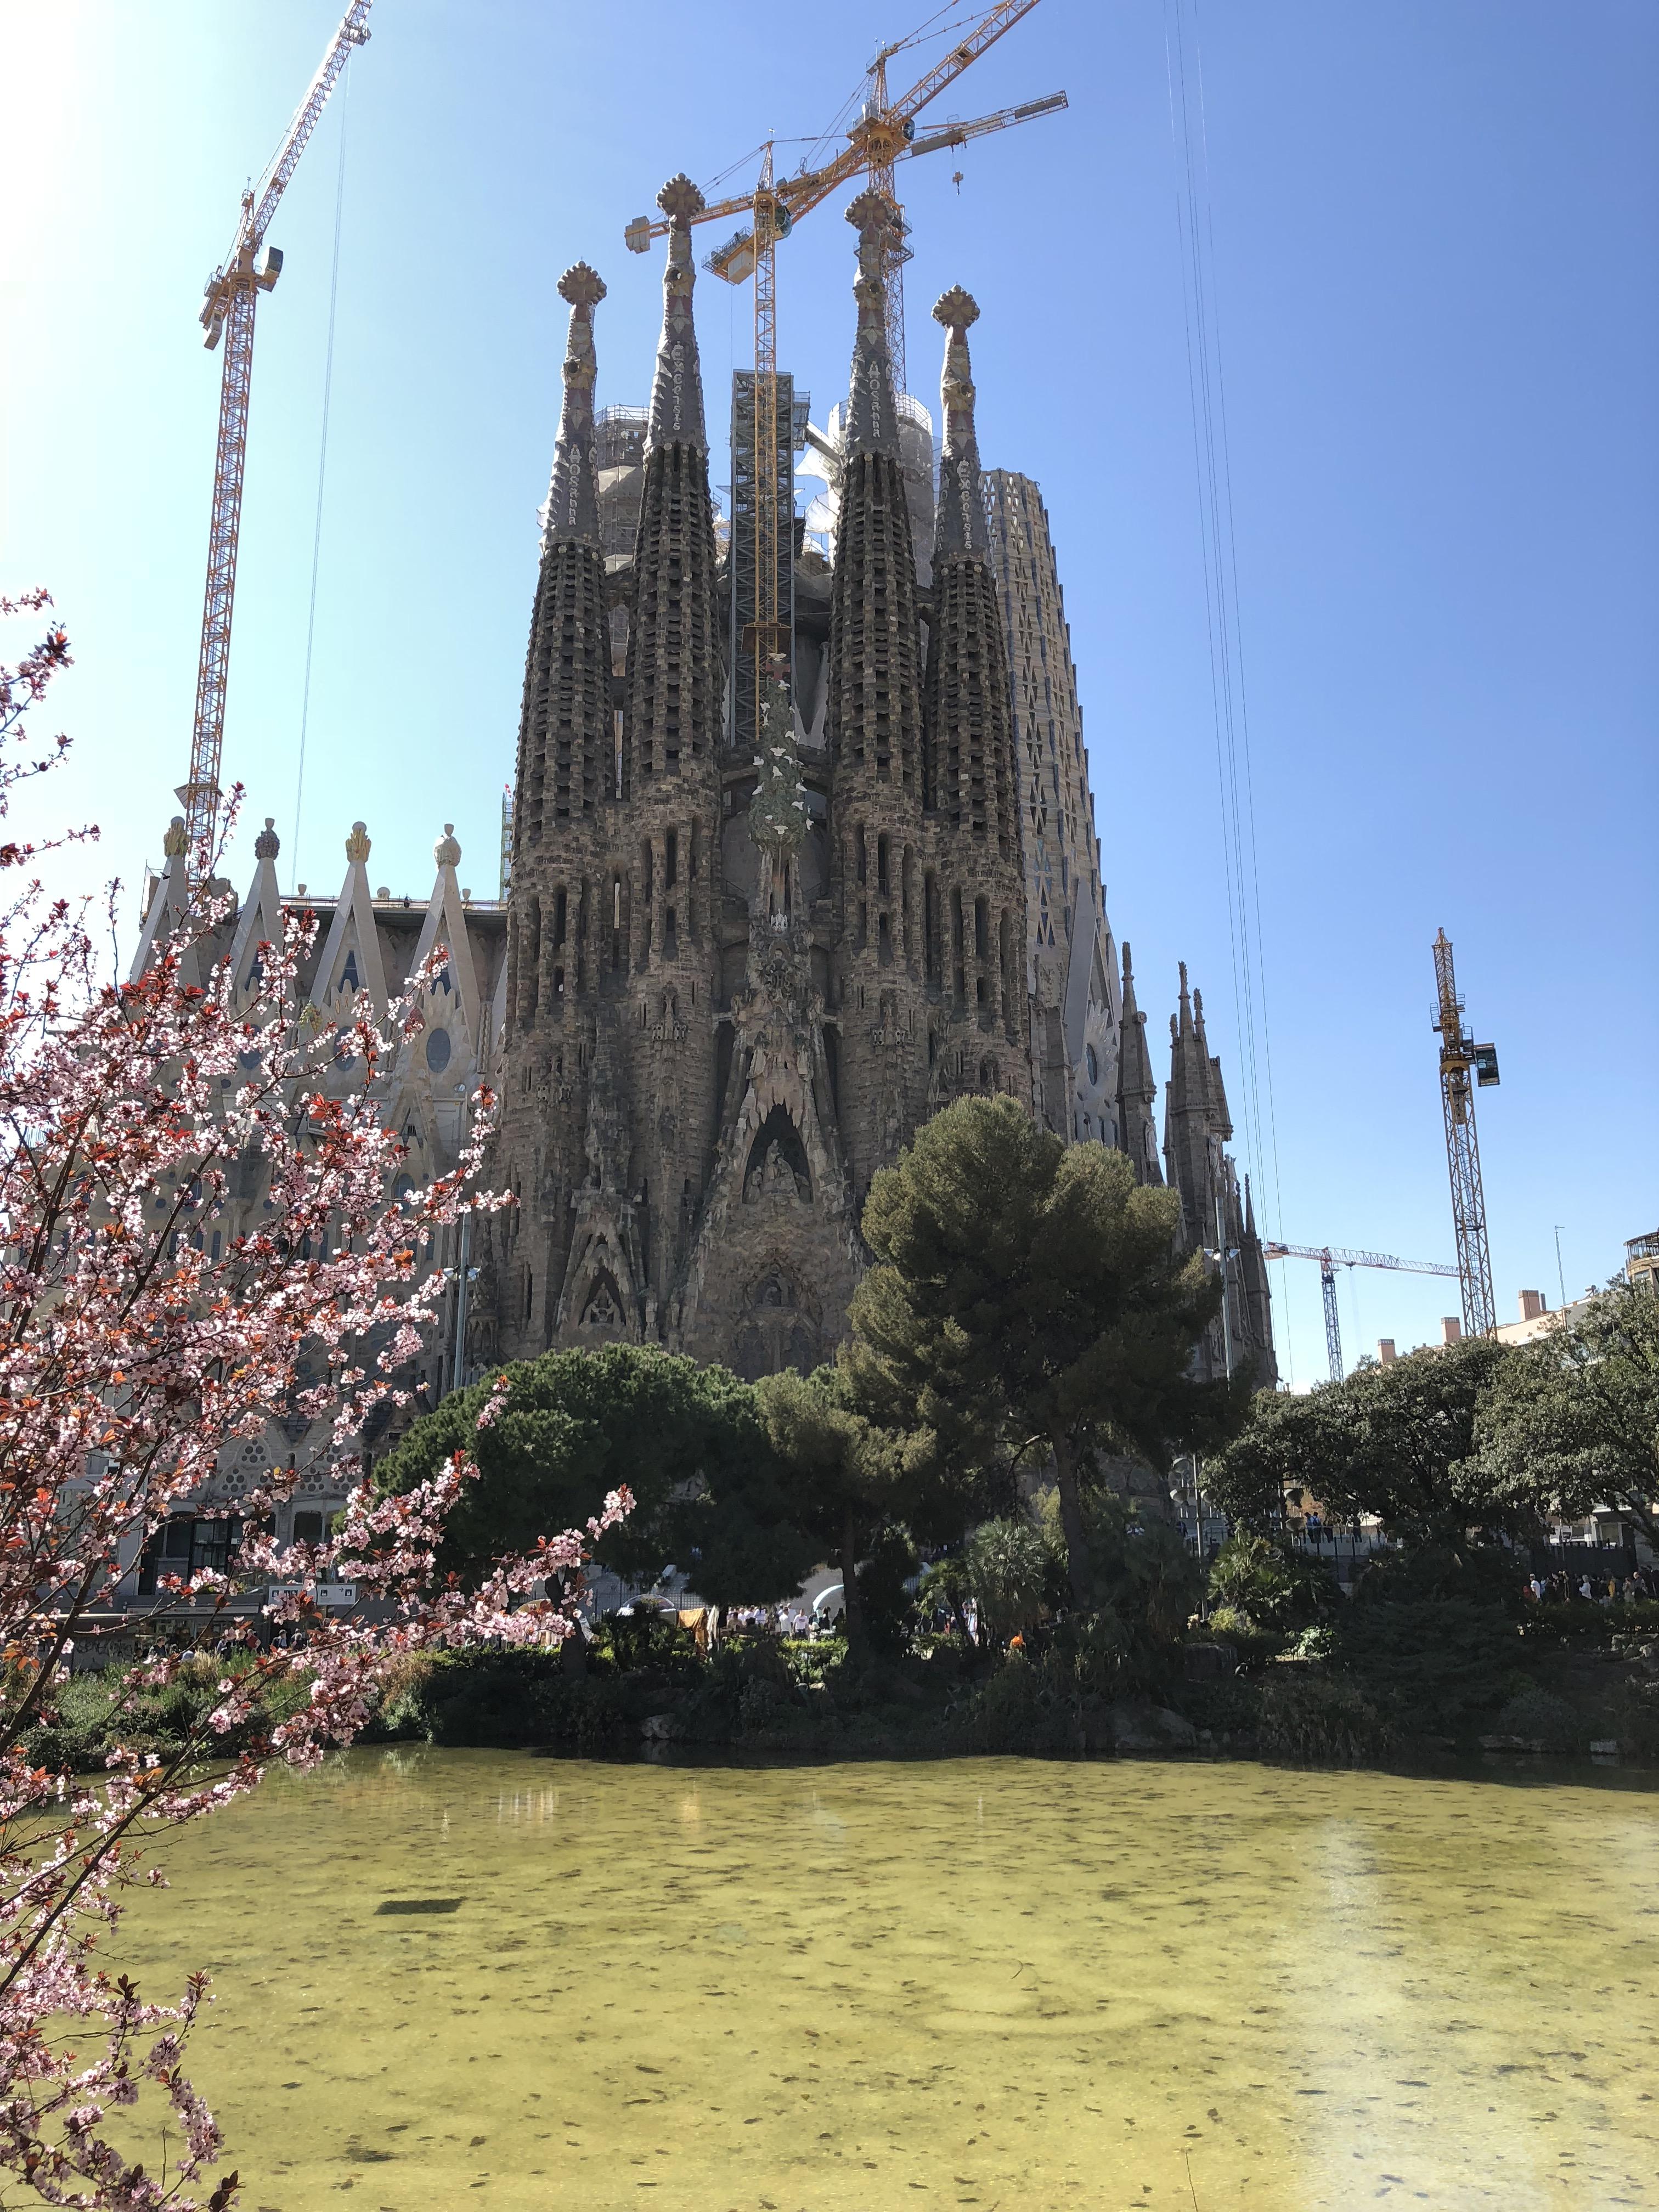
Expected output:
(581, 286)
(446, 853)
(1128, 964)
(679, 200)
(872, 211)
(677, 416)
(267, 844)
(176, 842)
(357, 845)
(957, 309)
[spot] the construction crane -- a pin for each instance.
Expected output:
(1330, 1258)
(884, 134)
(250, 267)
(1459, 1055)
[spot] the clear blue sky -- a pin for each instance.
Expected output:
(1435, 251)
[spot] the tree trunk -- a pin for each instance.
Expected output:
(857, 1635)
(1071, 1522)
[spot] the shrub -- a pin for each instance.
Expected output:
(1538, 1717)
(1321, 1721)
(1253, 1644)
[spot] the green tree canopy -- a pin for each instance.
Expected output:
(1028, 1291)
(1573, 1417)
(1401, 1441)
(688, 1441)
(846, 1477)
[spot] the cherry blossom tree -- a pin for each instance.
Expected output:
(131, 1357)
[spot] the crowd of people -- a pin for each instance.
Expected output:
(1638, 1586)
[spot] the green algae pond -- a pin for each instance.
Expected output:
(447, 1976)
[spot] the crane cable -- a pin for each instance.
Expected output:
(322, 460)
(1206, 386)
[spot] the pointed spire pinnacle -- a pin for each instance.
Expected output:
(872, 416)
(676, 392)
(961, 527)
(573, 501)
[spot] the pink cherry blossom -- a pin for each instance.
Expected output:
(129, 1359)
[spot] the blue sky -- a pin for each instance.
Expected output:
(1434, 247)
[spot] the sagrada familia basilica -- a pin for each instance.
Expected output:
(741, 955)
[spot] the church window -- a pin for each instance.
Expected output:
(1091, 1056)
(216, 1239)
(670, 864)
(982, 930)
(437, 1050)
(882, 864)
(558, 983)
(349, 973)
(884, 940)
(559, 904)
(647, 872)
(859, 844)
(669, 931)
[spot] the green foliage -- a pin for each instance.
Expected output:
(1026, 1289)
(1019, 1709)
(1536, 1717)
(1573, 1417)
(1252, 1644)
(1276, 1588)
(1007, 1568)
(90, 1714)
(1317, 1720)
(688, 1441)
(1430, 1664)
(888, 1607)
(1139, 1572)
(1400, 1442)
(850, 1478)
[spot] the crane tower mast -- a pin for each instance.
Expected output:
(1460, 1058)
(250, 267)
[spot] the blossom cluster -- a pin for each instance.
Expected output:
(134, 1348)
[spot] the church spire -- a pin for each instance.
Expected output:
(1136, 1090)
(968, 752)
(872, 416)
(961, 527)
(673, 679)
(874, 711)
(572, 513)
(564, 724)
(676, 392)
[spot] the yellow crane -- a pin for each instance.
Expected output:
(883, 133)
(250, 267)
(1460, 1058)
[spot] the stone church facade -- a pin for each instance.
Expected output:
(727, 981)
(738, 980)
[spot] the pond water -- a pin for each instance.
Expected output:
(987, 1982)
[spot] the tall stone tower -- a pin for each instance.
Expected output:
(1217, 1216)
(1070, 961)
